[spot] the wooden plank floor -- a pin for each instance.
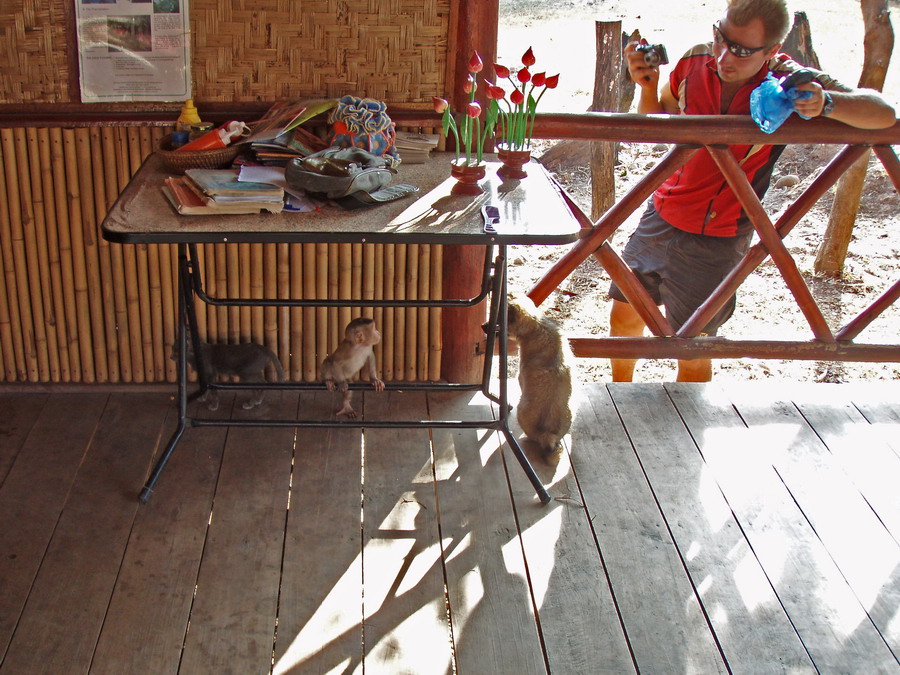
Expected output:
(694, 529)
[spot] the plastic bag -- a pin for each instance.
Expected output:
(772, 102)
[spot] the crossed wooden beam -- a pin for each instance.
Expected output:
(685, 342)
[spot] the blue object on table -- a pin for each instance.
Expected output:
(772, 102)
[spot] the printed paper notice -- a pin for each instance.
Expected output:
(133, 50)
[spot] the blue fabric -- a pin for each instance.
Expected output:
(771, 104)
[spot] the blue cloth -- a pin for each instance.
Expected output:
(771, 103)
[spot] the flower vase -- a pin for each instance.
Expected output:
(513, 161)
(467, 177)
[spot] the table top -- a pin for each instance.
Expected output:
(532, 211)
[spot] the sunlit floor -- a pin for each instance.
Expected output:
(693, 529)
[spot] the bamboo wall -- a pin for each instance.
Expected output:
(76, 308)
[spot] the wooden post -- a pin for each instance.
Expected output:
(606, 99)
(461, 359)
(879, 43)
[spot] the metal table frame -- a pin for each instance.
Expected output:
(141, 215)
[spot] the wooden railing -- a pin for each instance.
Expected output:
(715, 133)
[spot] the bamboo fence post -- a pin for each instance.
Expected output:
(80, 280)
(388, 329)
(411, 281)
(356, 257)
(113, 164)
(18, 261)
(233, 284)
(321, 292)
(246, 282)
(435, 329)
(345, 284)
(422, 320)
(271, 290)
(398, 281)
(259, 281)
(106, 290)
(282, 315)
(167, 296)
(380, 313)
(309, 313)
(221, 285)
(33, 232)
(91, 254)
(294, 318)
(367, 281)
(333, 280)
(15, 341)
(42, 188)
(58, 156)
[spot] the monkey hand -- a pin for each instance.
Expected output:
(379, 385)
(329, 384)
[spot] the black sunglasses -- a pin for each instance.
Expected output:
(738, 50)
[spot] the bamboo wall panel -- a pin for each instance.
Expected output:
(394, 50)
(76, 308)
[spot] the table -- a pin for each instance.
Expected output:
(532, 211)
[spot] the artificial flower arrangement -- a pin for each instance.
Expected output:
(517, 121)
(468, 131)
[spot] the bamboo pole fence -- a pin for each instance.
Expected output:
(75, 308)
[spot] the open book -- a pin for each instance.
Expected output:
(283, 117)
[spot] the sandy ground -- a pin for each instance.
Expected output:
(562, 35)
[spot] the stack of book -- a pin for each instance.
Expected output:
(277, 136)
(218, 191)
(414, 148)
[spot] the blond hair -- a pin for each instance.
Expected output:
(773, 14)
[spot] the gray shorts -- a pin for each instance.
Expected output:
(681, 269)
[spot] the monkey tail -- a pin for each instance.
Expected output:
(278, 368)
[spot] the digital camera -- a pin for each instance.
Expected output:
(654, 55)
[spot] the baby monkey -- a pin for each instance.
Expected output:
(351, 355)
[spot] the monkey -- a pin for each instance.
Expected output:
(545, 378)
(247, 361)
(354, 351)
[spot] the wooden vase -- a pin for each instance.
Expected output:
(512, 161)
(467, 177)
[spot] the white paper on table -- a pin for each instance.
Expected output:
(269, 174)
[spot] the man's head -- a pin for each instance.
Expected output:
(748, 36)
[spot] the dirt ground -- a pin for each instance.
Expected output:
(561, 34)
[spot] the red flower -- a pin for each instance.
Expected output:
(475, 63)
(538, 79)
(501, 71)
(517, 97)
(473, 109)
(495, 92)
(552, 81)
(523, 75)
(440, 104)
(470, 84)
(528, 58)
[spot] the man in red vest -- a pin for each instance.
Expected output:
(694, 230)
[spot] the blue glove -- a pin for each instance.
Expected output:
(772, 102)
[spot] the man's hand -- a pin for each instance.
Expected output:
(811, 106)
(646, 77)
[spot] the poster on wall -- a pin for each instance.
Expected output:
(133, 50)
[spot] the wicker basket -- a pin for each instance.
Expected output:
(195, 159)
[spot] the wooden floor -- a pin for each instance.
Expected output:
(694, 529)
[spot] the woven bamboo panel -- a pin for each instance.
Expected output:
(33, 42)
(258, 50)
(391, 50)
(75, 308)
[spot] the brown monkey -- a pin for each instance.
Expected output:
(350, 356)
(246, 361)
(545, 377)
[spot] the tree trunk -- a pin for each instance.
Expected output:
(878, 44)
(606, 99)
(798, 43)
